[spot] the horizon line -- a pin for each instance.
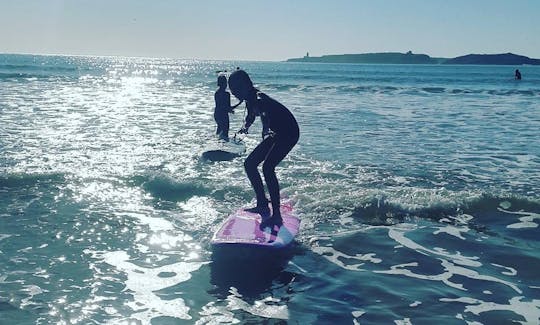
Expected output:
(239, 60)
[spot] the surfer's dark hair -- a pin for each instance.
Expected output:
(222, 80)
(240, 75)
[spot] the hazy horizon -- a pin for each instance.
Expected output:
(256, 31)
(247, 60)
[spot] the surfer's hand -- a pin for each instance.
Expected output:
(268, 133)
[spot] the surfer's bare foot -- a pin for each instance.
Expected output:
(271, 222)
(264, 211)
(276, 218)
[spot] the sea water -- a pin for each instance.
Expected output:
(418, 187)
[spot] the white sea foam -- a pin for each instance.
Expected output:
(526, 221)
(509, 270)
(399, 236)
(448, 262)
(529, 310)
(405, 321)
(336, 257)
(144, 282)
(453, 230)
(269, 307)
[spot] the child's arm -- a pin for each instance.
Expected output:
(250, 118)
(228, 102)
(236, 105)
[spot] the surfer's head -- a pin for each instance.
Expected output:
(240, 84)
(222, 81)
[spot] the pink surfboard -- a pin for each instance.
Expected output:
(242, 227)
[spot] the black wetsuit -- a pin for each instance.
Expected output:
(284, 136)
(221, 112)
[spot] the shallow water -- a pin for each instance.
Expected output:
(417, 187)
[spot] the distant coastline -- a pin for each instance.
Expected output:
(411, 58)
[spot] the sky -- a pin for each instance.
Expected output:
(268, 30)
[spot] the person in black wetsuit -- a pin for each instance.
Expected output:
(280, 134)
(517, 75)
(223, 108)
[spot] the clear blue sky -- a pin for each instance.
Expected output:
(269, 29)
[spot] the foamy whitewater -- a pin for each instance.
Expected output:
(418, 189)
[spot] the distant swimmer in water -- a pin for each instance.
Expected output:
(223, 107)
(280, 134)
(518, 75)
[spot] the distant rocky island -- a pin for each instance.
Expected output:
(411, 58)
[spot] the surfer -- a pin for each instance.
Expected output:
(280, 134)
(517, 75)
(223, 107)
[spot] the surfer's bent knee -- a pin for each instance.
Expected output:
(268, 169)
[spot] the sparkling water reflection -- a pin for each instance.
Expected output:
(415, 184)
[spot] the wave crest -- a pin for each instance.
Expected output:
(164, 187)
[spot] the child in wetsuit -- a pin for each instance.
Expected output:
(280, 134)
(223, 108)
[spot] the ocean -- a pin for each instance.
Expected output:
(418, 189)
